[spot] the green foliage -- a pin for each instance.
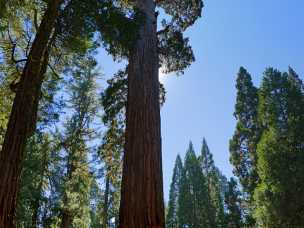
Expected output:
(233, 205)
(172, 220)
(184, 13)
(197, 192)
(175, 53)
(78, 132)
(280, 193)
(216, 188)
(244, 142)
(195, 207)
(267, 148)
(34, 180)
(5, 106)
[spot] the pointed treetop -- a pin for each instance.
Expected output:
(178, 160)
(206, 158)
(190, 149)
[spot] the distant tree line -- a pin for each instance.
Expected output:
(267, 154)
(200, 195)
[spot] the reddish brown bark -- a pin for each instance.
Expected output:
(21, 122)
(142, 187)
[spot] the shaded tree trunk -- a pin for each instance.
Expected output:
(142, 203)
(66, 220)
(106, 204)
(67, 217)
(22, 119)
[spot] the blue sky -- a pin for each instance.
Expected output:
(250, 33)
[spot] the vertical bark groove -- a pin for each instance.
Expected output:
(142, 187)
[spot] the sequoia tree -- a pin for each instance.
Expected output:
(22, 118)
(243, 155)
(65, 29)
(142, 167)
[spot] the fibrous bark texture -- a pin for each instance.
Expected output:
(142, 187)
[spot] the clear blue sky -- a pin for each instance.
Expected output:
(250, 33)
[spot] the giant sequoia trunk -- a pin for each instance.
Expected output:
(21, 122)
(142, 188)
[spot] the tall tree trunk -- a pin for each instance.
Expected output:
(142, 203)
(106, 204)
(21, 121)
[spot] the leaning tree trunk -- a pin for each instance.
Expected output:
(21, 121)
(142, 203)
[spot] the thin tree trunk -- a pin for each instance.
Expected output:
(21, 121)
(66, 220)
(66, 217)
(142, 203)
(37, 201)
(106, 204)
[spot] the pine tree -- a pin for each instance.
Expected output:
(215, 190)
(233, 205)
(280, 193)
(243, 145)
(172, 220)
(78, 133)
(195, 209)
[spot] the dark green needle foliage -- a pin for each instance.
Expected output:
(34, 181)
(243, 144)
(267, 148)
(280, 193)
(194, 201)
(183, 13)
(215, 186)
(78, 133)
(172, 220)
(233, 203)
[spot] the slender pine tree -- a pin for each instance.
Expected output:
(172, 220)
(213, 181)
(75, 144)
